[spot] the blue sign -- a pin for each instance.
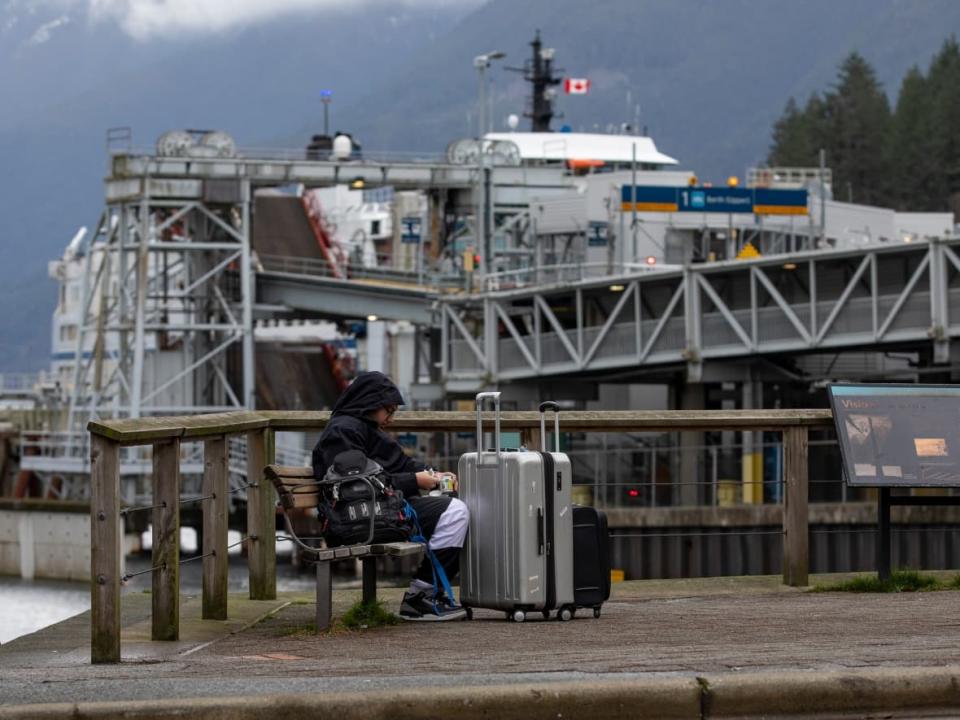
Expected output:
(759, 201)
(597, 236)
(649, 198)
(725, 200)
(411, 230)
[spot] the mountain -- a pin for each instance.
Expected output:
(60, 96)
(709, 78)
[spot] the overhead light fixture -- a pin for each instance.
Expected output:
(372, 318)
(616, 288)
(651, 260)
(357, 184)
(789, 266)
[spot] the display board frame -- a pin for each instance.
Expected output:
(898, 435)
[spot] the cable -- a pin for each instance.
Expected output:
(186, 501)
(163, 566)
(138, 508)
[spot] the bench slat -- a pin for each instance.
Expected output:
(289, 471)
(397, 549)
(302, 500)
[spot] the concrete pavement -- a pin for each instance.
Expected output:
(719, 647)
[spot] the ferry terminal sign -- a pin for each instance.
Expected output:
(757, 201)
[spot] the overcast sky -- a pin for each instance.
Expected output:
(149, 19)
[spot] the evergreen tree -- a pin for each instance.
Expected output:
(913, 160)
(791, 139)
(944, 121)
(797, 135)
(857, 118)
(908, 159)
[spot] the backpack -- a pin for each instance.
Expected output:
(358, 505)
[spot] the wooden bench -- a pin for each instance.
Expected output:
(297, 488)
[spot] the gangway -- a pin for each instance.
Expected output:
(306, 285)
(889, 295)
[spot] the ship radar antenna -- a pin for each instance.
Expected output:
(540, 72)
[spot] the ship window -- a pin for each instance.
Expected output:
(68, 333)
(374, 227)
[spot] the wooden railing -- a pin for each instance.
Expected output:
(165, 435)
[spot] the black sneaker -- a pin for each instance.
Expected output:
(418, 607)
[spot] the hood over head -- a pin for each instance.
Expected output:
(369, 391)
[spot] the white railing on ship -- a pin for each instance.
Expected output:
(564, 273)
(76, 446)
(300, 155)
(320, 268)
(20, 382)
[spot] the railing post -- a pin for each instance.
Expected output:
(166, 540)
(530, 438)
(261, 517)
(215, 528)
(796, 538)
(104, 550)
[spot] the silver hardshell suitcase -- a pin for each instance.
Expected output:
(518, 555)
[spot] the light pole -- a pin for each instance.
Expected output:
(326, 97)
(483, 219)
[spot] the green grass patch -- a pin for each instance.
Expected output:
(368, 615)
(900, 581)
(954, 583)
(361, 616)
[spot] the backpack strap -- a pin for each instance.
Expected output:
(440, 579)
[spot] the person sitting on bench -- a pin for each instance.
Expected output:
(358, 420)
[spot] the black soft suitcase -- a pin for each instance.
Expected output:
(591, 558)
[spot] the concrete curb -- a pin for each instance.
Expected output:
(773, 693)
(657, 698)
(727, 695)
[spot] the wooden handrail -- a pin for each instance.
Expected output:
(144, 431)
(166, 433)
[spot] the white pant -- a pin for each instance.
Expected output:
(451, 528)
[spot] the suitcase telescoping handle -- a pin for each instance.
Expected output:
(495, 396)
(544, 406)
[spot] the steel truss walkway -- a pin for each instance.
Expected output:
(876, 296)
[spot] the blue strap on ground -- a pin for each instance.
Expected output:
(439, 574)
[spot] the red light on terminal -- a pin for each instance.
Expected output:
(633, 492)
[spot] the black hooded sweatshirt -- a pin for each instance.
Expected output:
(350, 428)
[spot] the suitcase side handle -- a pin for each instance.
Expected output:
(544, 406)
(495, 397)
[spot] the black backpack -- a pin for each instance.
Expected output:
(358, 505)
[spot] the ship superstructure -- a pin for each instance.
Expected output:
(219, 278)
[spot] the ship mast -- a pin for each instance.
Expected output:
(539, 72)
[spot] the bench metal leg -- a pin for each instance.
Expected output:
(324, 596)
(369, 580)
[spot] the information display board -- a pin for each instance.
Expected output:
(894, 435)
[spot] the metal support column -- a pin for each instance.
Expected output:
(247, 291)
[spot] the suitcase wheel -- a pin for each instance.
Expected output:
(546, 614)
(517, 616)
(565, 613)
(596, 611)
(469, 613)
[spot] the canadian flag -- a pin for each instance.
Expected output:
(576, 86)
